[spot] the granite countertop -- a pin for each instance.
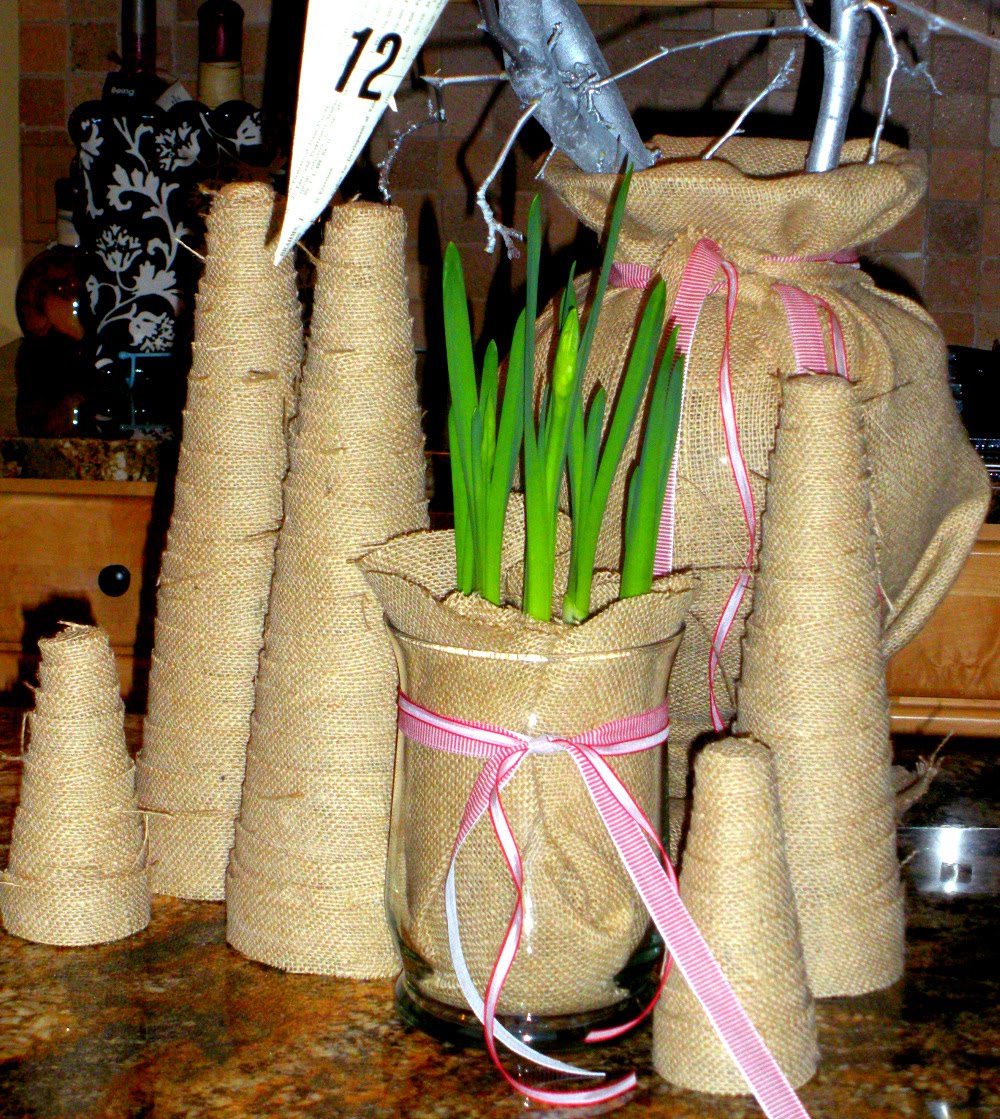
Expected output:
(142, 459)
(172, 1022)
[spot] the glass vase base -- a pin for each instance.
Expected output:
(461, 1027)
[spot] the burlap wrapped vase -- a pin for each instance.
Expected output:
(216, 570)
(814, 690)
(305, 886)
(781, 228)
(468, 660)
(77, 868)
(736, 886)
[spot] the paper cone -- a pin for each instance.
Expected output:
(216, 571)
(77, 868)
(306, 880)
(814, 690)
(736, 886)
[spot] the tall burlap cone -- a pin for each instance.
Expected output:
(736, 886)
(216, 571)
(305, 886)
(77, 868)
(814, 690)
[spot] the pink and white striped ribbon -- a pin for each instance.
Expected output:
(698, 282)
(642, 855)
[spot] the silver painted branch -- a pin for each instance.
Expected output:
(878, 14)
(779, 81)
(935, 22)
(839, 85)
(434, 116)
(509, 236)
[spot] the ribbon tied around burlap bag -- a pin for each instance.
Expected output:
(817, 349)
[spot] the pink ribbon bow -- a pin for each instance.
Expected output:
(638, 846)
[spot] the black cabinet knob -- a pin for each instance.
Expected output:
(114, 580)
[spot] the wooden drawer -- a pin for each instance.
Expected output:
(55, 538)
(948, 677)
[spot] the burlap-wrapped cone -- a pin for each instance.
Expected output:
(814, 690)
(306, 881)
(736, 887)
(216, 572)
(77, 868)
(929, 490)
(466, 659)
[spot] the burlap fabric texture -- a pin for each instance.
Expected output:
(736, 886)
(216, 570)
(77, 868)
(929, 491)
(306, 882)
(467, 659)
(813, 689)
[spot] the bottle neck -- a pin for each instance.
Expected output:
(66, 233)
(139, 36)
(220, 50)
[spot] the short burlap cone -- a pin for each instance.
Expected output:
(306, 881)
(814, 690)
(216, 571)
(585, 920)
(773, 220)
(77, 868)
(736, 887)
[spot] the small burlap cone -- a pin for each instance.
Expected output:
(814, 690)
(736, 887)
(216, 571)
(77, 868)
(467, 659)
(306, 880)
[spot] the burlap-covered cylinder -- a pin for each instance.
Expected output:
(77, 868)
(736, 886)
(466, 659)
(306, 880)
(216, 571)
(779, 226)
(814, 690)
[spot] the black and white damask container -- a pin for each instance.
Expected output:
(139, 170)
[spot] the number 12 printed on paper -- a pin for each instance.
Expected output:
(354, 58)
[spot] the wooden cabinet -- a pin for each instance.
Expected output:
(56, 537)
(948, 677)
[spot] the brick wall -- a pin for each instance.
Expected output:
(948, 252)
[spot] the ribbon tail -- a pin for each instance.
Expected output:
(691, 954)
(475, 1000)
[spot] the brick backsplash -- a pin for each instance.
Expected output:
(947, 252)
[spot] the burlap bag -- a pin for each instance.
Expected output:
(305, 885)
(77, 868)
(216, 571)
(466, 659)
(928, 489)
(814, 690)
(736, 887)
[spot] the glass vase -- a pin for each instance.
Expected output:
(588, 955)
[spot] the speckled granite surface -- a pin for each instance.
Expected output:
(93, 460)
(173, 1023)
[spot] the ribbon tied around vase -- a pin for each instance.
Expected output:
(639, 848)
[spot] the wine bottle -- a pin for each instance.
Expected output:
(220, 52)
(136, 80)
(51, 371)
